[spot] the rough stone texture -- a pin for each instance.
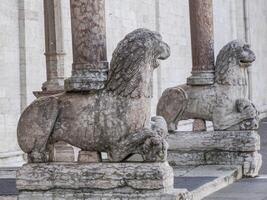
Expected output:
(216, 148)
(178, 194)
(89, 157)
(62, 152)
(201, 26)
(239, 141)
(250, 161)
(98, 181)
(89, 69)
(225, 103)
(199, 125)
(105, 176)
(115, 120)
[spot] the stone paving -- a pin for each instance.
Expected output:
(248, 189)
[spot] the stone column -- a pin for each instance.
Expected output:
(90, 66)
(54, 54)
(54, 49)
(202, 42)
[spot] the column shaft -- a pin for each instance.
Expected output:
(89, 69)
(54, 52)
(202, 42)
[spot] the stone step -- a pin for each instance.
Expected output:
(8, 172)
(202, 181)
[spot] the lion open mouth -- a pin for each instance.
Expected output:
(245, 63)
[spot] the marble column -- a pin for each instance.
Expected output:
(54, 49)
(90, 66)
(202, 42)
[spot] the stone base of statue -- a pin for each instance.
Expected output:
(216, 148)
(58, 181)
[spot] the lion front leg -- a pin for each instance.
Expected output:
(150, 143)
(244, 117)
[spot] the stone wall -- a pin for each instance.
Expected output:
(22, 63)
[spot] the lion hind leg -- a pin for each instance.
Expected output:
(36, 126)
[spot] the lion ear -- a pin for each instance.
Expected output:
(233, 45)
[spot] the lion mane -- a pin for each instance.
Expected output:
(131, 59)
(234, 54)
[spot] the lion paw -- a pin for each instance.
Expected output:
(247, 108)
(155, 149)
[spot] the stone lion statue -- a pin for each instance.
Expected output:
(115, 119)
(225, 103)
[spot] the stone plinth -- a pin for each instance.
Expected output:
(243, 141)
(216, 148)
(96, 181)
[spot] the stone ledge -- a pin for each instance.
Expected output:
(250, 161)
(241, 141)
(126, 177)
(177, 194)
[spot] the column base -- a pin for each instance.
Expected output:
(201, 78)
(53, 85)
(12, 159)
(87, 78)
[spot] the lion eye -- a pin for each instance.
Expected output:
(246, 46)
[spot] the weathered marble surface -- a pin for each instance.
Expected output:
(115, 120)
(98, 181)
(202, 42)
(225, 103)
(90, 66)
(104, 176)
(216, 148)
(178, 194)
(250, 161)
(242, 141)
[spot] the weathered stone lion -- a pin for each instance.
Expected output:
(115, 120)
(225, 103)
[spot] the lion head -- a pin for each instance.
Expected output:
(133, 62)
(233, 59)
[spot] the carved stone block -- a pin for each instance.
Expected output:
(62, 152)
(89, 157)
(243, 141)
(216, 148)
(97, 180)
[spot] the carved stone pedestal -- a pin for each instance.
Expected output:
(216, 148)
(57, 181)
